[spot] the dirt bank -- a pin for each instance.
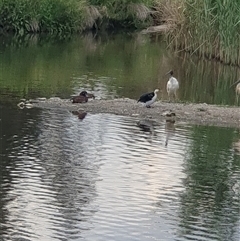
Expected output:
(202, 114)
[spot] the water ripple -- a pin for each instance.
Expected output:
(112, 178)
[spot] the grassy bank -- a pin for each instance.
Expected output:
(207, 28)
(24, 16)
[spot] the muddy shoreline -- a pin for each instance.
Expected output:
(200, 114)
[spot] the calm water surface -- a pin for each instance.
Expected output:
(111, 177)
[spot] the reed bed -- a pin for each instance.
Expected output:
(206, 28)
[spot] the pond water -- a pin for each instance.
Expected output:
(117, 65)
(110, 177)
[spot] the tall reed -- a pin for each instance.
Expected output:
(207, 28)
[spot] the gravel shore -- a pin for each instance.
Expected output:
(202, 114)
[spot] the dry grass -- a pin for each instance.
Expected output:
(139, 10)
(169, 12)
(209, 29)
(90, 16)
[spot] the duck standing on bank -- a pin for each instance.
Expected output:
(82, 98)
(149, 98)
(172, 86)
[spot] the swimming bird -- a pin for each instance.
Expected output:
(148, 98)
(81, 115)
(172, 86)
(89, 95)
(237, 89)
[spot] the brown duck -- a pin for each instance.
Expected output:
(83, 98)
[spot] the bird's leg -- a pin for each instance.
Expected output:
(176, 97)
(169, 98)
(148, 106)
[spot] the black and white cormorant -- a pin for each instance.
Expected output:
(148, 98)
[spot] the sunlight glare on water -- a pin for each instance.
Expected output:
(110, 177)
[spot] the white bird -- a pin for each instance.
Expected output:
(148, 98)
(172, 86)
(237, 89)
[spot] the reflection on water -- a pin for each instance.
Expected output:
(110, 66)
(112, 178)
(170, 130)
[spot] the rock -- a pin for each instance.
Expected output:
(42, 98)
(55, 99)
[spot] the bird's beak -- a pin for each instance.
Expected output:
(238, 81)
(168, 72)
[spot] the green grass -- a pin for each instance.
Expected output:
(208, 28)
(32, 16)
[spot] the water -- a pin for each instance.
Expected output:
(110, 177)
(118, 65)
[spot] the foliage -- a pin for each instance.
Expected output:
(70, 16)
(207, 28)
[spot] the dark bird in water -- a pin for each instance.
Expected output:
(84, 93)
(80, 98)
(148, 98)
(81, 115)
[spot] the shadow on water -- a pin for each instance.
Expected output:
(45, 66)
(112, 176)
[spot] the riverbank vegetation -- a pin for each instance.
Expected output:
(206, 28)
(24, 16)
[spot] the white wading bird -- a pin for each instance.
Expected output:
(237, 89)
(172, 86)
(148, 98)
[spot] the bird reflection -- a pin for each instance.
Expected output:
(146, 125)
(169, 129)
